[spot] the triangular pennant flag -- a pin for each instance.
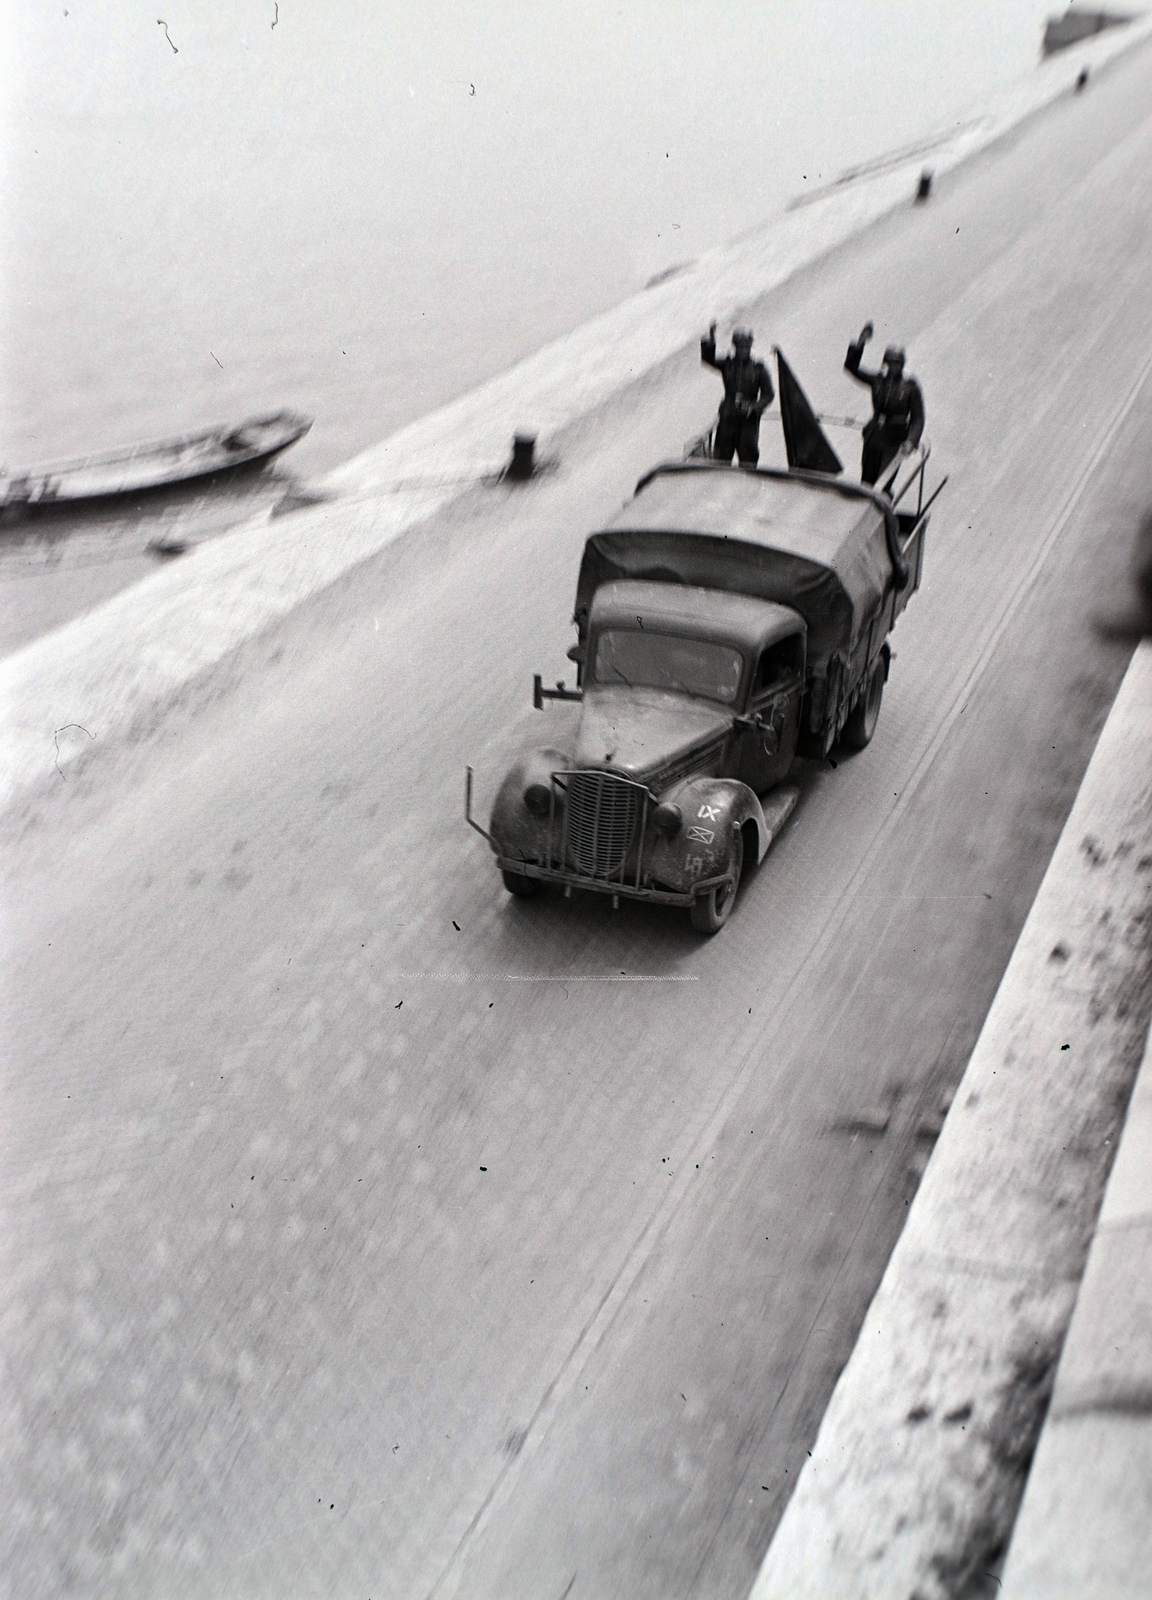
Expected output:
(804, 438)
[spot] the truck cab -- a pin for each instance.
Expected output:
(672, 670)
(690, 710)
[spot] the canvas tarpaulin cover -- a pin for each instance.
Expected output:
(820, 547)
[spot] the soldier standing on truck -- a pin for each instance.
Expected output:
(897, 420)
(748, 392)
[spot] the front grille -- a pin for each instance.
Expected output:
(602, 812)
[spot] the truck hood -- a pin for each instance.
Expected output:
(646, 733)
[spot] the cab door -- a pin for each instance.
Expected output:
(768, 746)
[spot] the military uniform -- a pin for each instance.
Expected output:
(747, 391)
(897, 413)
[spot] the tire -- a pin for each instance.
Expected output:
(862, 719)
(519, 884)
(711, 911)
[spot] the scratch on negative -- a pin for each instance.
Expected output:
(276, 18)
(160, 23)
(56, 741)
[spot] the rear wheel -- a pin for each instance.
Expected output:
(865, 714)
(709, 912)
(519, 884)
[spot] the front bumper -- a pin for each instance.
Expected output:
(630, 861)
(614, 887)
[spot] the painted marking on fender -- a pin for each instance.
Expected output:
(701, 835)
(709, 813)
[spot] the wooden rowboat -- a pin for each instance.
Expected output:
(153, 466)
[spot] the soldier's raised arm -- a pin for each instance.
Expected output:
(708, 347)
(856, 354)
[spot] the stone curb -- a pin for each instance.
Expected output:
(1084, 1531)
(110, 675)
(917, 1472)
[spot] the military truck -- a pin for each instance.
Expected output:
(728, 618)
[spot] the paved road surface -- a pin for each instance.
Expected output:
(369, 1234)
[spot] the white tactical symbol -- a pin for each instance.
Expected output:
(709, 813)
(701, 835)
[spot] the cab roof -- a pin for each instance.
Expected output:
(694, 612)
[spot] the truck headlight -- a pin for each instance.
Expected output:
(538, 799)
(666, 819)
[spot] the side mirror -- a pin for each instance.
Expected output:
(540, 693)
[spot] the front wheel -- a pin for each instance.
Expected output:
(709, 912)
(865, 714)
(519, 884)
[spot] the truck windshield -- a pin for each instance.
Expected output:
(664, 661)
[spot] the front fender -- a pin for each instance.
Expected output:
(515, 831)
(712, 808)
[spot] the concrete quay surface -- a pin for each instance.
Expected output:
(912, 1485)
(365, 1232)
(1084, 1530)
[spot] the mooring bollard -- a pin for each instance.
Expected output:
(522, 465)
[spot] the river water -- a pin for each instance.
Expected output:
(361, 210)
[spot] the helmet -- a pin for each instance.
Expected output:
(742, 336)
(894, 355)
